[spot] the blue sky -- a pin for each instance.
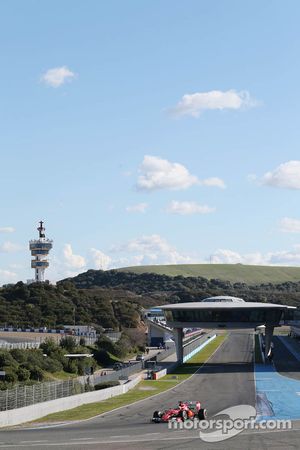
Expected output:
(149, 132)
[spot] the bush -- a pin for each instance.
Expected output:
(102, 357)
(71, 366)
(52, 365)
(7, 360)
(82, 341)
(103, 343)
(49, 346)
(10, 375)
(19, 355)
(23, 374)
(106, 384)
(69, 343)
(36, 373)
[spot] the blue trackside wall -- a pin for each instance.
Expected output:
(198, 348)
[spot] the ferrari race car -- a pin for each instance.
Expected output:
(184, 411)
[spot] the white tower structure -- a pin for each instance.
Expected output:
(40, 249)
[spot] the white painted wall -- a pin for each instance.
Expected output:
(161, 374)
(187, 357)
(32, 412)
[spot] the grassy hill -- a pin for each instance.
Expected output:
(228, 272)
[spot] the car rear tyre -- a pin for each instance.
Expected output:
(183, 415)
(202, 414)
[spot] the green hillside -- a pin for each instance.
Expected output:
(229, 272)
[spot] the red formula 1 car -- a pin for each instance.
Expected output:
(184, 411)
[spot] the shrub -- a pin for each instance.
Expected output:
(10, 375)
(23, 374)
(102, 357)
(69, 343)
(82, 341)
(71, 366)
(7, 360)
(52, 365)
(18, 355)
(36, 373)
(49, 346)
(103, 343)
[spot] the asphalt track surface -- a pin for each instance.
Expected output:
(226, 380)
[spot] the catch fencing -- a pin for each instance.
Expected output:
(21, 396)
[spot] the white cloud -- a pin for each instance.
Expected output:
(57, 76)
(213, 182)
(7, 276)
(151, 249)
(100, 260)
(281, 258)
(7, 230)
(140, 207)
(226, 256)
(186, 208)
(286, 175)
(72, 260)
(158, 173)
(194, 104)
(286, 257)
(288, 225)
(9, 247)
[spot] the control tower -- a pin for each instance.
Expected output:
(40, 249)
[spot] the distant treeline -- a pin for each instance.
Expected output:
(155, 289)
(114, 299)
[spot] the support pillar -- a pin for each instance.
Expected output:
(178, 338)
(268, 340)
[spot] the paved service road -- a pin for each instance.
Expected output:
(226, 380)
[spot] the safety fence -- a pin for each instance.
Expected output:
(21, 396)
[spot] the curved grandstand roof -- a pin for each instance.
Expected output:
(224, 298)
(224, 305)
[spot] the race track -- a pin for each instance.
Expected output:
(226, 380)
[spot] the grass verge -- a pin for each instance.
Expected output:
(143, 390)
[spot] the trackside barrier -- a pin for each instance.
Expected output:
(160, 374)
(113, 375)
(29, 413)
(188, 352)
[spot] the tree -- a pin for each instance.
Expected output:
(68, 343)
